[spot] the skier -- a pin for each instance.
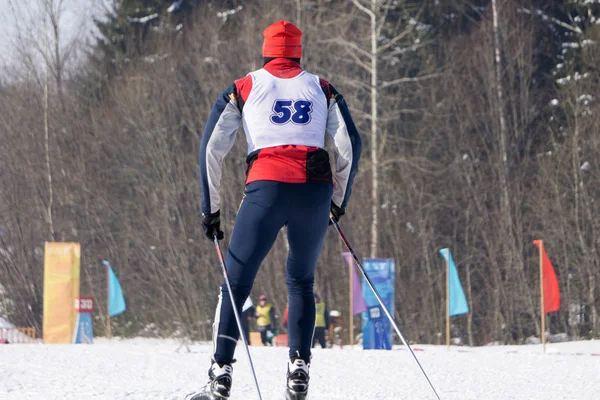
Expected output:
(265, 320)
(285, 112)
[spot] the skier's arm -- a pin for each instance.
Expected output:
(217, 140)
(347, 144)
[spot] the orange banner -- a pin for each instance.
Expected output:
(61, 287)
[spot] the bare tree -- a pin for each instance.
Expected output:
(377, 12)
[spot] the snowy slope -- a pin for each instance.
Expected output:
(152, 369)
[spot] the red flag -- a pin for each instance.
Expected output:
(551, 290)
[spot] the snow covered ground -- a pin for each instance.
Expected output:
(153, 369)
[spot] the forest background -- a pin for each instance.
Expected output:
(479, 134)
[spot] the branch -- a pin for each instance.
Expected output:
(393, 40)
(368, 116)
(575, 29)
(350, 81)
(400, 112)
(363, 8)
(358, 84)
(413, 47)
(360, 62)
(352, 45)
(404, 160)
(400, 160)
(403, 80)
(360, 113)
(381, 24)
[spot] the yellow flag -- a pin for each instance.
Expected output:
(61, 287)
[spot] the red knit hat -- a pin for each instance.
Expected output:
(282, 39)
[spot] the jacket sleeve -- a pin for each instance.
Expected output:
(348, 147)
(217, 139)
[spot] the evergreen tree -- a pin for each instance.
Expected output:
(128, 30)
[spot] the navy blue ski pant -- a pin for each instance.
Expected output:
(267, 207)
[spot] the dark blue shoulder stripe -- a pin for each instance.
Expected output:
(354, 139)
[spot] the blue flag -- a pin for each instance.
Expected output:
(116, 302)
(456, 296)
(377, 330)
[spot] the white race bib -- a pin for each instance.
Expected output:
(284, 111)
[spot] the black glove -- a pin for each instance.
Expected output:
(211, 224)
(336, 212)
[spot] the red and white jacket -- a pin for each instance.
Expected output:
(285, 112)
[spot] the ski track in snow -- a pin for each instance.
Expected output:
(153, 369)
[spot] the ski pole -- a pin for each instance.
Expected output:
(380, 300)
(235, 312)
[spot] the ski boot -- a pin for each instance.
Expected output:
(297, 380)
(218, 386)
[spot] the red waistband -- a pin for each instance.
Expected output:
(289, 164)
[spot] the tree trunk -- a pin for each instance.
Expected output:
(299, 13)
(374, 192)
(49, 218)
(469, 292)
(500, 99)
(55, 15)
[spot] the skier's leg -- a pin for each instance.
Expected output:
(307, 226)
(259, 219)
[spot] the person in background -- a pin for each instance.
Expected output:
(247, 315)
(321, 322)
(265, 320)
